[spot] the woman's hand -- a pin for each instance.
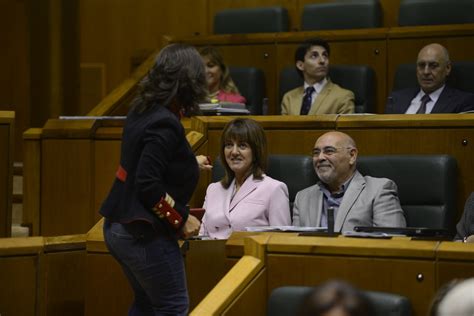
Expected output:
(204, 162)
(191, 227)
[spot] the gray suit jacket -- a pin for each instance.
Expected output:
(367, 201)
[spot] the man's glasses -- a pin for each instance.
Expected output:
(328, 150)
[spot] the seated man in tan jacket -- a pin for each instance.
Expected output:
(318, 95)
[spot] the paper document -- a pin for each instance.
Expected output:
(284, 229)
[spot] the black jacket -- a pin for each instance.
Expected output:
(157, 160)
(450, 101)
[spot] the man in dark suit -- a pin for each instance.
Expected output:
(433, 95)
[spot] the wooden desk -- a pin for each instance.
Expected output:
(42, 275)
(407, 267)
(7, 120)
(73, 164)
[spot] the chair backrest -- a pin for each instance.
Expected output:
(426, 183)
(461, 77)
(296, 171)
(251, 84)
(357, 78)
(356, 14)
(435, 12)
(426, 186)
(251, 20)
(286, 300)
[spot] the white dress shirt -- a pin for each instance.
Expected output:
(318, 87)
(416, 102)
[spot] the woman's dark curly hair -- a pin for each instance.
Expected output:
(178, 76)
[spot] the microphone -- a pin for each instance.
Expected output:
(330, 214)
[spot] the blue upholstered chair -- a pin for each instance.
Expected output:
(251, 84)
(251, 20)
(286, 300)
(435, 12)
(338, 15)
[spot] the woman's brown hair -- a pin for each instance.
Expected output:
(178, 76)
(250, 132)
(226, 83)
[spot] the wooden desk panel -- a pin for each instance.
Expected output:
(369, 273)
(399, 265)
(7, 119)
(18, 295)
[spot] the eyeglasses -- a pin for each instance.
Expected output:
(328, 150)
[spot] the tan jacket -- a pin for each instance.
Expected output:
(331, 100)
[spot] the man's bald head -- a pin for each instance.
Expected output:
(432, 67)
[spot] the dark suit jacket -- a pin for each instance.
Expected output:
(158, 160)
(465, 226)
(450, 101)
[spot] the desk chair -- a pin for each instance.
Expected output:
(339, 15)
(286, 300)
(251, 84)
(461, 77)
(357, 78)
(426, 186)
(296, 171)
(251, 20)
(435, 12)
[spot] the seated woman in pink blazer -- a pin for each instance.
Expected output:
(245, 196)
(219, 83)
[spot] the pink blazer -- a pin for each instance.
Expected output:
(230, 97)
(257, 203)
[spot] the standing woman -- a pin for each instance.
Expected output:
(246, 196)
(145, 211)
(221, 86)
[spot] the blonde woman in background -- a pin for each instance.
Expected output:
(220, 85)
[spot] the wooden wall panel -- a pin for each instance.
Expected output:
(6, 177)
(65, 273)
(92, 83)
(18, 295)
(66, 187)
(14, 63)
(7, 138)
(121, 34)
(106, 162)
